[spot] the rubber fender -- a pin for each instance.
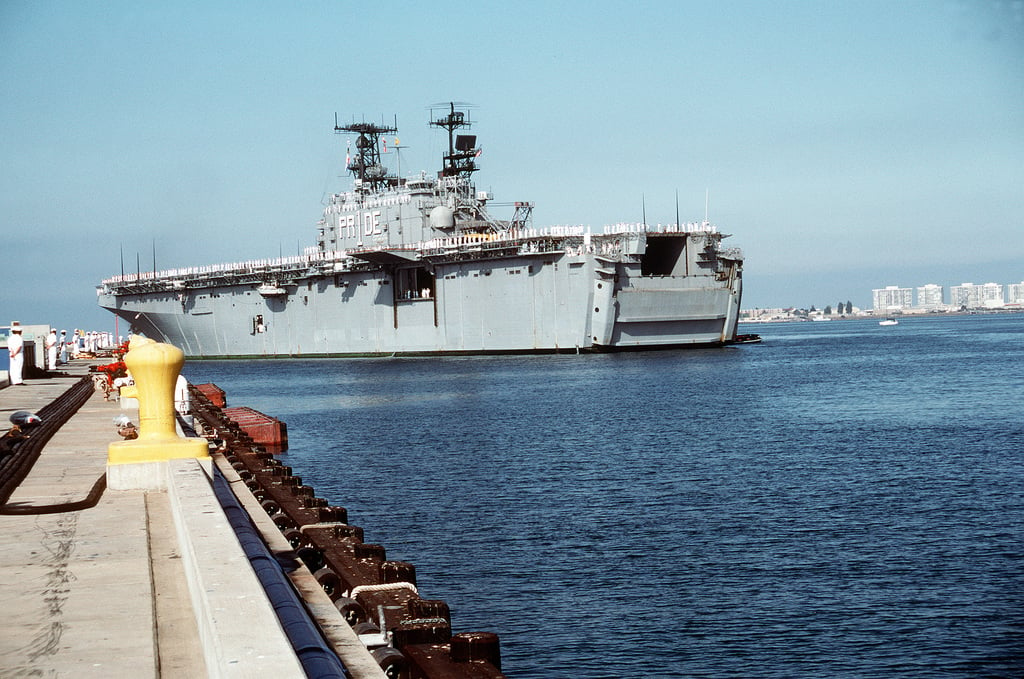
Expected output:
(394, 664)
(312, 557)
(330, 583)
(296, 538)
(351, 610)
(365, 627)
(284, 522)
(318, 661)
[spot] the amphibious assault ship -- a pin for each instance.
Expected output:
(418, 265)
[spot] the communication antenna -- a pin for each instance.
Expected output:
(367, 166)
(462, 148)
(398, 154)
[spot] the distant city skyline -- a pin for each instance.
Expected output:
(965, 295)
(925, 296)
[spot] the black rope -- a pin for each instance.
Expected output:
(16, 465)
(89, 502)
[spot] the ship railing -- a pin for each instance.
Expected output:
(640, 227)
(547, 239)
(297, 263)
(574, 239)
(496, 240)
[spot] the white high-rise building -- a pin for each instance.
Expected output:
(892, 298)
(1015, 293)
(930, 296)
(971, 296)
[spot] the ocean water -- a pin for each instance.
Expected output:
(842, 500)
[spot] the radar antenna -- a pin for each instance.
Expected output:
(366, 166)
(462, 150)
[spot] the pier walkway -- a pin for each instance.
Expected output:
(97, 582)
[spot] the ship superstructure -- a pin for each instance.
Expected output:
(418, 265)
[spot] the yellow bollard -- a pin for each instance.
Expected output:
(155, 367)
(136, 341)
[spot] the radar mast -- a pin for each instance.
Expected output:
(366, 166)
(462, 151)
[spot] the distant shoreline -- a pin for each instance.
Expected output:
(869, 316)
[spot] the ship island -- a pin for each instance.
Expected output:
(418, 265)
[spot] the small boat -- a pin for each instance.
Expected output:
(746, 339)
(889, 321)
(271, 289)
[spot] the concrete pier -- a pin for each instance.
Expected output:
(140, 583)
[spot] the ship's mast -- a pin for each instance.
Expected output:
(366, 166)
(462, 151)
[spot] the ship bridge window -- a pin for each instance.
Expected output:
(414, 284)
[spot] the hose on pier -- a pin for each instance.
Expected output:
(16, 466)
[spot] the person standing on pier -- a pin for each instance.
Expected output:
(51, 350)
(63, 346)
(16, 352)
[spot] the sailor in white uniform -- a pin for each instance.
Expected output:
(51, 350)
(63, 346)
(16, 352)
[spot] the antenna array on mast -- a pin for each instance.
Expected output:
(366, 166)
(462, 151)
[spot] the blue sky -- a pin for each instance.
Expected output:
(846, 146)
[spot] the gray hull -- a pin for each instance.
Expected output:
(555, 302)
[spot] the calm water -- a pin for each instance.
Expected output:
(843, 500)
